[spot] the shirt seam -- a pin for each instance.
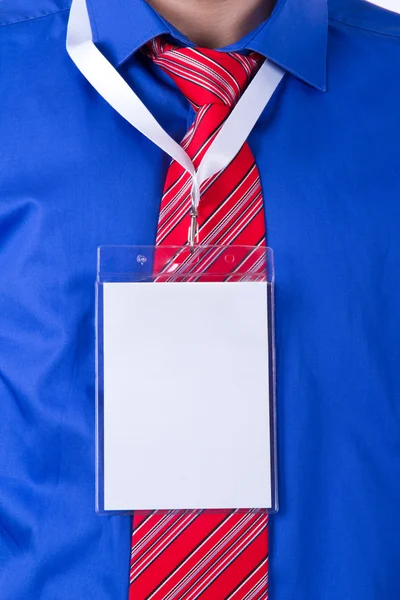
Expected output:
(26, 19)
(363, 28)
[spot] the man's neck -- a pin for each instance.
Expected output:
(214, 23)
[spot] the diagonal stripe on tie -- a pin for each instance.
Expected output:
(203, 554)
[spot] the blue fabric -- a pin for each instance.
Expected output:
(294, 36)
(74, 176)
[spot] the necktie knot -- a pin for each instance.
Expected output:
(203, 75)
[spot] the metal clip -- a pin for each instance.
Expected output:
(193, 233)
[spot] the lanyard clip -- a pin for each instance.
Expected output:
(193, 234)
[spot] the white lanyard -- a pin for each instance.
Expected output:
(114, 89)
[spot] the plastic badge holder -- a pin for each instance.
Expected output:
(118, 268)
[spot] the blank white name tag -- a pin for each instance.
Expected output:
(186, 417)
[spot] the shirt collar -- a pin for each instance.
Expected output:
(294, 37)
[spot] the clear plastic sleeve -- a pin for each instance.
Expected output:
(166, 264)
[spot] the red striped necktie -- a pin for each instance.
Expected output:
(185, 555)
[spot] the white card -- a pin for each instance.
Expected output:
(186, 396)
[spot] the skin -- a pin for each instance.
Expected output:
(214, 23)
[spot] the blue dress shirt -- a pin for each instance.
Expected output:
(74, 175)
